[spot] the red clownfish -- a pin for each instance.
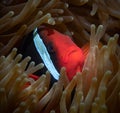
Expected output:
(62, 48)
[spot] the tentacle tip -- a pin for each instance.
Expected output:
(61, 11)
(51, 21)
(42, 65)
(11, 13)
(14, 49)
(100, 27)
(93, 26)
(66, 5)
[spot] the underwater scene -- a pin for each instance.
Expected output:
(59, 56)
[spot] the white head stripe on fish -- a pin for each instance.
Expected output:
(41, 49)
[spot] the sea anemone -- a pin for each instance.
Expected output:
(94, 90)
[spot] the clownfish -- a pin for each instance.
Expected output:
(55, 50)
